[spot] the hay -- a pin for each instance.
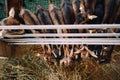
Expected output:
(31, 67)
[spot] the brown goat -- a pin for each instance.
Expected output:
(10, 21)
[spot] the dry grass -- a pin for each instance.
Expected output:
(32, 68)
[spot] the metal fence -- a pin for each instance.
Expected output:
(72, 38)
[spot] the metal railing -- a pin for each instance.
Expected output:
(111, 38)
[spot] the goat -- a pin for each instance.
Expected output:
(56, 15)
(106, 54)
(67, 60)
(86, 12)
(67, 11)
(85, 52)
(10, 21)
(109, 6)
(29, 19)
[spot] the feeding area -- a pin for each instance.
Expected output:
(60, 40)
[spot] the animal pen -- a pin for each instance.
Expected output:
(85, 38)
(9, 41)
(29, 39)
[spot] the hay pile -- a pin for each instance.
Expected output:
(30, 67)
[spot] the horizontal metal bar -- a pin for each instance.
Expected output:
(66, 35)
(95, 41)
(70, 43)
(54, 39)
(86, 26)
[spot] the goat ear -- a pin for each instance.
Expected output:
(87, 54)
(82, 8)
(77, 52)
(22, 11)
(59, 49)
(54, 54)
(86, 48)
(21, 7)
(93, 54)
(60, 52)
(71, 52)
(48, 47)
(91, 17)
(12, 12)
